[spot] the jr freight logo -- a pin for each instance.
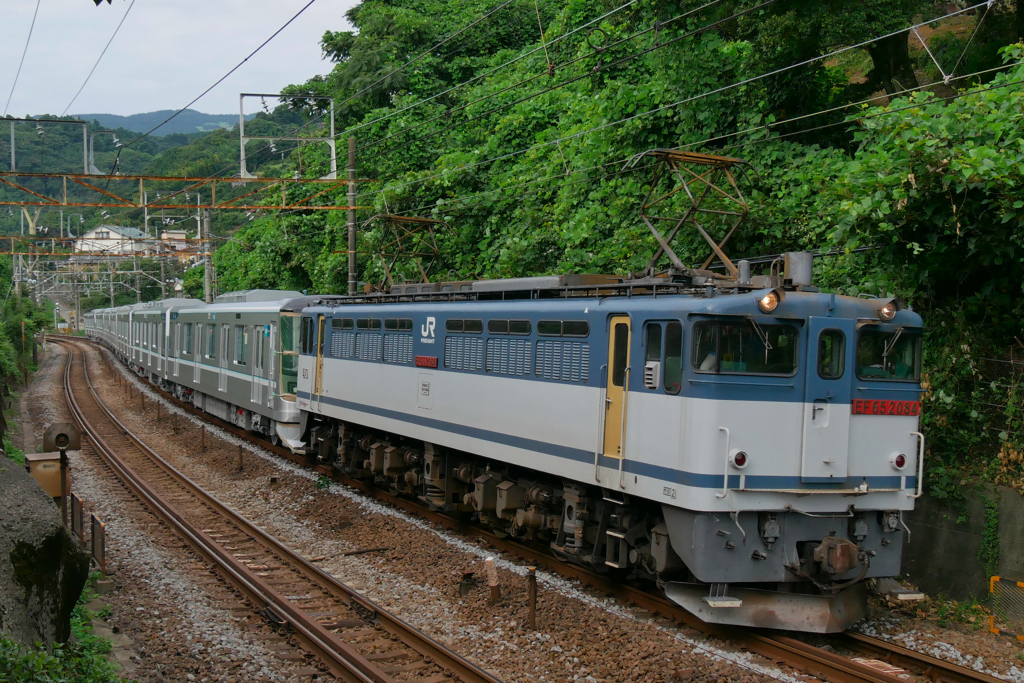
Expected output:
(427, 330)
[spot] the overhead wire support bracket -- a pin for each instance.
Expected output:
(712, 189)
(243, 138)
(119, 200)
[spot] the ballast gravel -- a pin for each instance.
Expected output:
(177, 629)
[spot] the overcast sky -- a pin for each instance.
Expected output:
(167, 52)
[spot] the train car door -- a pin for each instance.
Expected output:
(224, 334)
(827, 391)
(177, 348)
(271, 345)
(256, 395)
(197, 355)
(616, 388)
(321, 331)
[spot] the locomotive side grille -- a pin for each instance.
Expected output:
(398, 348)
(509, 356)
(564, 361)
(368, 346)
(343, 344)
(463, 353)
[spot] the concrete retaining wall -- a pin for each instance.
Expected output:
(941, 556)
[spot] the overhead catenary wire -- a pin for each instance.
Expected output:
(313, 96)
(601, 67)
(671, 105)
(215, 84)
(460, 201)
(23, 53)
(99, 59)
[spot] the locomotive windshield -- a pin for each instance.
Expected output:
(893, 356)
(744, 348)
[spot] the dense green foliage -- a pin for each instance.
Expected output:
(84, 661)
(517, 132)
(527, 166)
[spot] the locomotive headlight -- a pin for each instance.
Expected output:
(738, 459)
(890, 308)
(770, 301)
(898, 461)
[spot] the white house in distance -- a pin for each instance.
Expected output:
(111, 239)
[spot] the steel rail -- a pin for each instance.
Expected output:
(343, 660)
(776, 646)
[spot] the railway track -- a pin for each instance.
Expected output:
(782, 648)
(354, 639)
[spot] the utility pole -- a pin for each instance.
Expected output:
(207, 261)
(138, 284)
(351, 216)
(163, 278)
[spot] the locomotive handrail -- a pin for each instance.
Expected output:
(602, 411)
(622, 427)
(920, 465)
(725, 483)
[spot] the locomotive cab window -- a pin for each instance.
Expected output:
(889, 356)
(744, 348)
(831, 354)
(663, 355)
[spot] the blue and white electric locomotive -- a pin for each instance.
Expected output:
(752, 447)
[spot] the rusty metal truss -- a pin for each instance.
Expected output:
(712, 198)
(406, 238)
(119, 199)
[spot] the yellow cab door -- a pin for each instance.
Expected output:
(321, 331)
(618, 381)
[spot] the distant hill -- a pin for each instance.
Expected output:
(188, 121)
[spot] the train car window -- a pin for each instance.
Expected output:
(744, 348)
(466, 326)
(673, 370)
(563, 328)
(343, 323)
(289, 333)
(653, 352)
(304, 335)
(368, 324)
(211, 341)
(621, 340)
(241, 344)
(188, 339)
(889, 356)
(831, 354)
(509, 327)
(399, 324)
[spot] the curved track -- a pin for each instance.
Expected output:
(353, 638)
(778, 647)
